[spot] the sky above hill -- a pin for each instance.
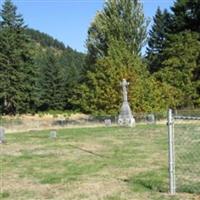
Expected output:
(68, 20)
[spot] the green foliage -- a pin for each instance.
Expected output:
(114, 42)
(186, 16)
(17, 74)
(72, 63)
(59, 72)
(44, 39)
(101, 92)
(37, 72)
(9, 16)
(52, 84)
(157, 37)
(181, 66)
(119, 20)
(176, 61)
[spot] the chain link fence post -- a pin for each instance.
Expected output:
(171, 153)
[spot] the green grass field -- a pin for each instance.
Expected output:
(90, 163)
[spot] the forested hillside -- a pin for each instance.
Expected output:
(59, 69)
(44, 39)
(38, 73)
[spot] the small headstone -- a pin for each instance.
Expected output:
(151, 119)
(108, 122)
(2, 135)
(62, 121)
(53, 134)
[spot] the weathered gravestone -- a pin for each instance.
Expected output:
(108, 122)
(2, 135)
(150, 119)
(53, 134)
(125, 117)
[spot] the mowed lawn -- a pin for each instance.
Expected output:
(108, 163)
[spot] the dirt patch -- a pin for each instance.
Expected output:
(16, 149)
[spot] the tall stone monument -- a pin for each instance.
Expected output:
(125, 117)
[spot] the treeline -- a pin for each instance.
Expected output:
(44, 39)
(168, 76)
(39, 73)
(173, 55)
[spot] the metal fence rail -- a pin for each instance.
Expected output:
(186, 117)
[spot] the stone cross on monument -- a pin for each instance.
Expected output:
(125, 116)
(124, 85)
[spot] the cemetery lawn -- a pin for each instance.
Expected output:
(88, 163)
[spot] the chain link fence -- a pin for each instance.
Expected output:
(29, 123)
(183, 139)
(37, 122)
(184, 151)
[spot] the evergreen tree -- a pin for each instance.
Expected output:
(52, 83)
(114, 42)
(157, 37)
(181, 66)
(44, 39)
(71, 63)
(186, 16)
(17, 75)
(58, 70)
(179, 59)
(120, 20)
(101, 91)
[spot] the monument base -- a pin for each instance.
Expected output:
(125, 117)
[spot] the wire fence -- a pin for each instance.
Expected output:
(36, 122)
(184, 151)
(183, 139)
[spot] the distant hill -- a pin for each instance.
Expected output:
(58, 66)
(44, 39)
(73, 58)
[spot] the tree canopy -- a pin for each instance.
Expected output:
(36, 70)
(177, 61)
(157, 38)
(16, 63)
(39, 73)
(114, 43)
(119, 20)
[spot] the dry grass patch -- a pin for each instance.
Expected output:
(88, 163)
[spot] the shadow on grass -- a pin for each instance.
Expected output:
(4, 195)
(88, 151)
(155, 181)
(192, 188)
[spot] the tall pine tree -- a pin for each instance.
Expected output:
(157, 38)
(181, 66)
(186, 16)
(17, 75)
(179, 59)
(52, 82)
